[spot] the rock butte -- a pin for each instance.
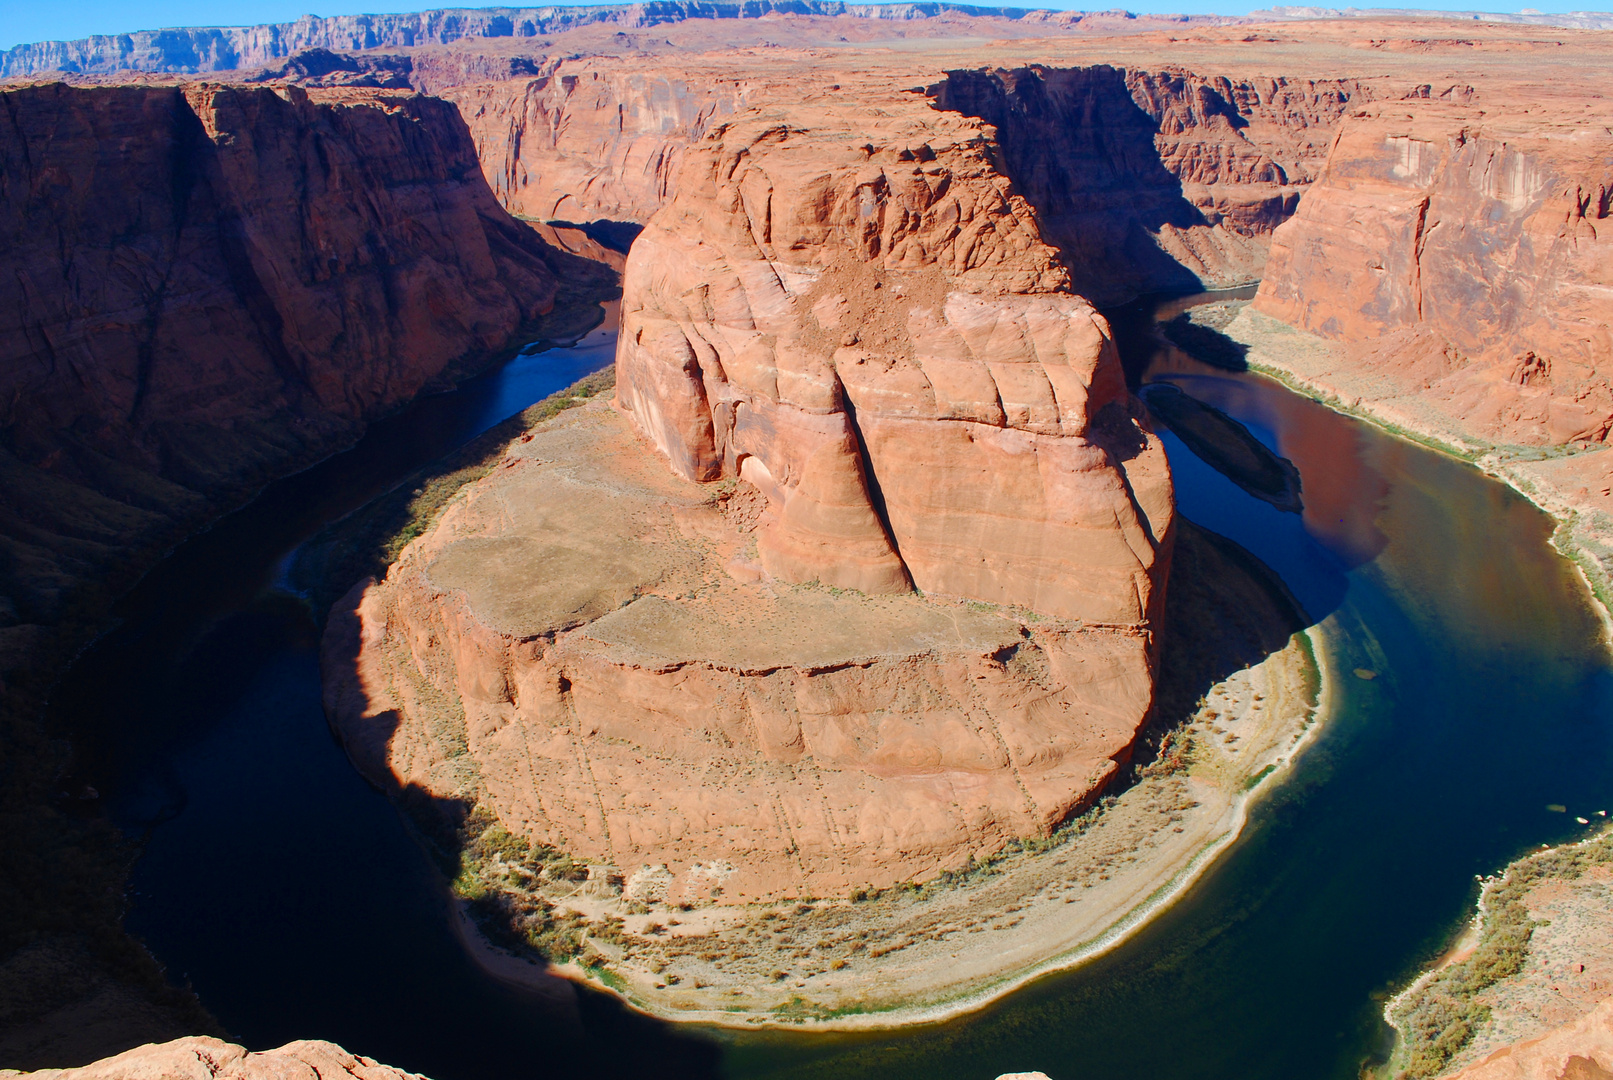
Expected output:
(859, 348)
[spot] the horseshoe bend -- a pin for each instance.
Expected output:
(963, 539)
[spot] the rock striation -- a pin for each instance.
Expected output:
(1155, 180)
(208, 284)
(204, 1058)
(861, 372)
(877, 339)
(1467, 256)
(592, 140)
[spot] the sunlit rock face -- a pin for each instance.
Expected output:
(877, 338)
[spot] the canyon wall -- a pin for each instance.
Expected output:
(591, 140)
(1151, 181)
(1463, 256)
(207, 285)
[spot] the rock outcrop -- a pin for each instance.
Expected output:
(210, 284)
(204, 1058)
(1579, 1050)
(1465, 255)
(867, 374)
(1150, 181)
(879, 341)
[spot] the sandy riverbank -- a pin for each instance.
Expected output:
(925, 954)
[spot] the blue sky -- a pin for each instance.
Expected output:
(47, 20)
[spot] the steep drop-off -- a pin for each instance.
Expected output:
(867, 373)
(210, 284)
(1151, 181)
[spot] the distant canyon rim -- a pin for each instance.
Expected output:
(860, 579)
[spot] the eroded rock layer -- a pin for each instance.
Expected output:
(583, 644)
(206, 284)
(1464, 253)
(877, 338)
(204, 1058)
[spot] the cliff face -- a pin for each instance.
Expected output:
(878, 340)
(208, 284)
(1148, 181)
(864, 372)
(202, 1058)
(585, 141)
(1464, 256)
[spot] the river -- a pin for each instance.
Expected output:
(291, 897)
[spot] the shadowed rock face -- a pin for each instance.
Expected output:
(876, 338)
(208, 284)
(203, 1058)
(1465, 255)
(1152, 181)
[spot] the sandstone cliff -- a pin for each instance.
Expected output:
(1453, 266)
(209, 284)
(871, 348)
(591, 140)
(202, 1058)
(1465, 255)
(1149, 181)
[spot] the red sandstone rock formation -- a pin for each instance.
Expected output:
(1581, 1050)
(206, 284)
(591, 140)
(871, 343)
(1465, 255)
(877, 338)
(203, 1058)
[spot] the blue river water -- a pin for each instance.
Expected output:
(290, 896)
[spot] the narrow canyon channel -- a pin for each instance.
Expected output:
(1471, 690)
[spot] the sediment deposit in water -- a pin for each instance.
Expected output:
(877, 374)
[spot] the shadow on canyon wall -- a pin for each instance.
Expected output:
(1081, 151)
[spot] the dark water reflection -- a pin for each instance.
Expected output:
(290, 895)
(1493, 698)
(274, 880)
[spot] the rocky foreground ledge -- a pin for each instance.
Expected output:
(203, 1058)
